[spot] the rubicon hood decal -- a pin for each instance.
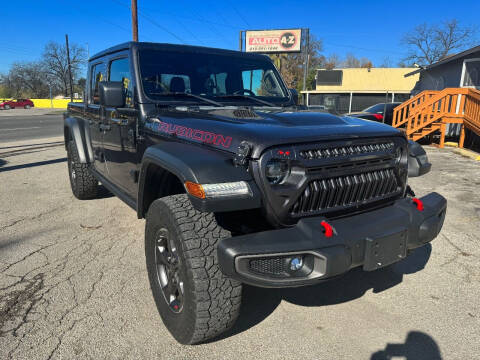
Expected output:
(205, 137)
(270, 129)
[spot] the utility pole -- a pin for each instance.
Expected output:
(306, 58)
(69, 68)
(134, 20)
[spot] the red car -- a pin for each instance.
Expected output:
(12, 104)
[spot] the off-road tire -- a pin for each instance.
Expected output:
(84, 185)
(211, 301)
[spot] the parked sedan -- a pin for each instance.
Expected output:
(376, 112)
(12, 104)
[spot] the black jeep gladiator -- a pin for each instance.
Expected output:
(237, 182)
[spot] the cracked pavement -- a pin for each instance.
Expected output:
(73, 282)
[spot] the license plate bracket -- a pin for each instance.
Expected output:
(385, 250)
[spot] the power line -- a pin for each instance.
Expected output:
(149, 19)
(203, 20)
(239, 14)
(362, 48)
(124, 28)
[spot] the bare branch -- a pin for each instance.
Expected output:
(430, 43)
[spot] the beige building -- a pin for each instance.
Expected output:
(354, 89)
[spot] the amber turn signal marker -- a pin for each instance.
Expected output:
(195, 189)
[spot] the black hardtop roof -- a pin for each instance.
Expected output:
(173, 47)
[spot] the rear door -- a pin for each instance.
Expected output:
(119, 139)
(93, 115)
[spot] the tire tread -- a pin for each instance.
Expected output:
(217, 298)
(86, 185)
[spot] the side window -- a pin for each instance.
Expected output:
(252, 80)
(215, 84)
(164, 83)
(98, 74)
(120, 71)
(261, 83)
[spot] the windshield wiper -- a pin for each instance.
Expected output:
(240, 96)
(198, 97)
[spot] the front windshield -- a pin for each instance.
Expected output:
(224, 78)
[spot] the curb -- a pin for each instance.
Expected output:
(467, 153)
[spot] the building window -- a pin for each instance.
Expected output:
(329, 77)
(471, 75)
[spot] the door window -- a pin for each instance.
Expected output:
(98, 75)
(120, 71)
(261, 82)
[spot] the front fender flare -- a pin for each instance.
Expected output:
(200, 165)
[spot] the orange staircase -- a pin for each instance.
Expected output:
(431, 111)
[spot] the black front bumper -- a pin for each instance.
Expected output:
(373, 240)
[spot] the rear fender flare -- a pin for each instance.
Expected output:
(75, 129)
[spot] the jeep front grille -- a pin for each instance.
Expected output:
(350, 190)
(325, 153)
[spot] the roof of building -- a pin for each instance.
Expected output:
(373, 80)
(446, 60)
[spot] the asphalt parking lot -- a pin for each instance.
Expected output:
(28, 124)
(73, 282)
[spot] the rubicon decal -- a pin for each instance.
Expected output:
(189, 133)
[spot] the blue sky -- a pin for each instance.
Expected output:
(364, 28)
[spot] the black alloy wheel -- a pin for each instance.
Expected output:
(168, 264)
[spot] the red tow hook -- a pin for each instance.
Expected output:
(328, 229)
(419, 204)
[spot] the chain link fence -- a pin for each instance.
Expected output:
(352, 102)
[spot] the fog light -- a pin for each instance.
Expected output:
(296, 263)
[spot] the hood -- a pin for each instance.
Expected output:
(226, 128)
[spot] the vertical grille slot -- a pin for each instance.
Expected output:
(347, 190)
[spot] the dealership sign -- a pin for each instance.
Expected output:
(273, 41)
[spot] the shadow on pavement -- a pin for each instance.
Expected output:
(103, 193)
(2, 162)
(417, 346)
(259, 303)
(47, 144)
(34, 164)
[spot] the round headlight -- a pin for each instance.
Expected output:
(276, 171)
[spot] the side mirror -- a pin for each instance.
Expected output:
(418, 164)
(294, 95)
(111, 93)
